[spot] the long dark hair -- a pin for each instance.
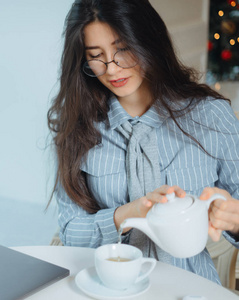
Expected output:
(82, 100)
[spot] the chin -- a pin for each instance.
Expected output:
(124, 92)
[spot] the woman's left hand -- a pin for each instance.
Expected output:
(223, 215)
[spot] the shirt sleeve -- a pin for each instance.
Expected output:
(227, 128)
(234, 240)
(79, 228)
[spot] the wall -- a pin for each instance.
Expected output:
(229, 89)
(29, 59)
(187, 21)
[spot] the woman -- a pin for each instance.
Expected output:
(132, 124)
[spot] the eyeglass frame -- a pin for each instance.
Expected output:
(107, 63)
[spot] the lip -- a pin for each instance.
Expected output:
(119, 82)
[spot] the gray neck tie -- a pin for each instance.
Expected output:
(143, 176)
(142, 163)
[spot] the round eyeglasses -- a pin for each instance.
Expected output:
(122, 58)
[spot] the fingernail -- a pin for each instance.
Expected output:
(182, 193)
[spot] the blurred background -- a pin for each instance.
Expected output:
(206, 36)
(30, 52)
(223, 41)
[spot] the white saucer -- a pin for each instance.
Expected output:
(88, 281)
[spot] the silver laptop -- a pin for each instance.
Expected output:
(22, 275)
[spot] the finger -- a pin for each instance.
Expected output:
(210, 191)
(159, 195)
(146, 202)
(179, 192)
(223, 210)
(221, 205)
(224, 220)
(142, 206)
(166, 189)
(214, 233)
(155, 196)
(207, 193)
(229, 206)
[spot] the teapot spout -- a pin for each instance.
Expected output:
(142, 225)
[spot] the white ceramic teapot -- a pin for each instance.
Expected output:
(179, 226)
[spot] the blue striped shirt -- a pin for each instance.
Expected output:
(182, 163)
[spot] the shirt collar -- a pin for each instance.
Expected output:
(117, 115)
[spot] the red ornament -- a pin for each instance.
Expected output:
(226, 55)
(230, 1)
(210, 46)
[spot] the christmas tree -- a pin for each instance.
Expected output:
(223, 44)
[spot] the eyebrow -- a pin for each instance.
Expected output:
(97, 47)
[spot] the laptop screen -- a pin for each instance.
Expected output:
(21, 275)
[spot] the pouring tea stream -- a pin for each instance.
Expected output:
(179, 227)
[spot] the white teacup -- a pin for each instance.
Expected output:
(118, 265)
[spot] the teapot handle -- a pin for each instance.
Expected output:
(214, 197)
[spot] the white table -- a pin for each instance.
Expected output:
(167, 282)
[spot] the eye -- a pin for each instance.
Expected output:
(94, 56)
(123, 49)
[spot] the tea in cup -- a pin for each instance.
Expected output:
(118, 265)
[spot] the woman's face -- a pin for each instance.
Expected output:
(101, 42)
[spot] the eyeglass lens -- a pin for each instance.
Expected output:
(122, 58)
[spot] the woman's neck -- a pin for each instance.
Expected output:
(138, 103)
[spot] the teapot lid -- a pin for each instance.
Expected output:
(174, 206)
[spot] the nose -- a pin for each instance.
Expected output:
(112, 68)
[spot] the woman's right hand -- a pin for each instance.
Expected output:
(140, 207)
(159, 195)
